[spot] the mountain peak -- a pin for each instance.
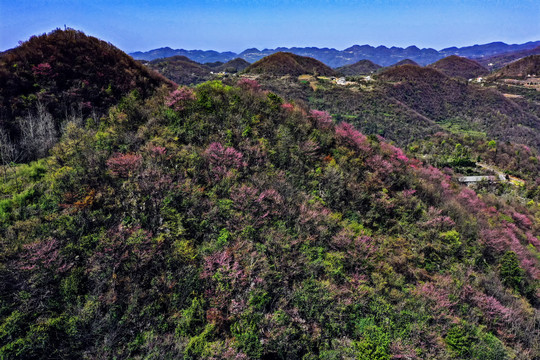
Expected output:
(285, 63)
(460, 67)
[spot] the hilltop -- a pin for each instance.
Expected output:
(181, 70)
(63, 74)
(362, 67)
(405, 62)
(282, 63)
(233, 66)
(460, 67)
(200, 56)
(67, 71)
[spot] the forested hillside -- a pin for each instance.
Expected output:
(223, 221)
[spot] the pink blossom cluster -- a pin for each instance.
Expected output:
(364, 246)
(342, 239)
(439, 222)
(491, 307)
(124, 165)
(521, 219)
(179, 98)
(396, 154)
(399, 350)
(309, 148)
(223, 159)
(287, 106)
(314, 218)
(224, 263)
(43, 69)
(382, 166)
(86, 104)
(157, 151)
(322, 118)
(313, 214)
(347, 133)
(506, 238)
(259, 204)
(408, 193)
(42, 255)
(433, 174)
(533, 240)
(122, 244)
(469, 199)
(249, 84)
(438, 294)
(224, 274)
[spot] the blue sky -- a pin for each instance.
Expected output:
(236, 25)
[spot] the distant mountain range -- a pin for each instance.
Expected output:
(381, 55)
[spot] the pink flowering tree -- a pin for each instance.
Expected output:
(43, 69)
(352, 137)
(322, 118)
(249, 84)
(507, 238)
(124, 165)
(494, 312)
(122, 251)
(180, 98)
(43, 255)
(257, 205)
(223, 160)
(287, 106)
(224, 274)
(395, 154)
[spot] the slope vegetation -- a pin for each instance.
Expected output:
(520, 69)
(372, 111)
(228, 223)
(448, 101)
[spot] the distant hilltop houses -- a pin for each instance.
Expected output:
(479, 79)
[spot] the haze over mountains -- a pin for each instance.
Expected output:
(380, 55)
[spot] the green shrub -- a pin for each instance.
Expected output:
(489, 347)
(374, 342)
(511, 272)
(459, 340)
(192, 319)
(247, 336)
(199, 343)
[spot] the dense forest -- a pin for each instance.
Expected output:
(224, 221)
